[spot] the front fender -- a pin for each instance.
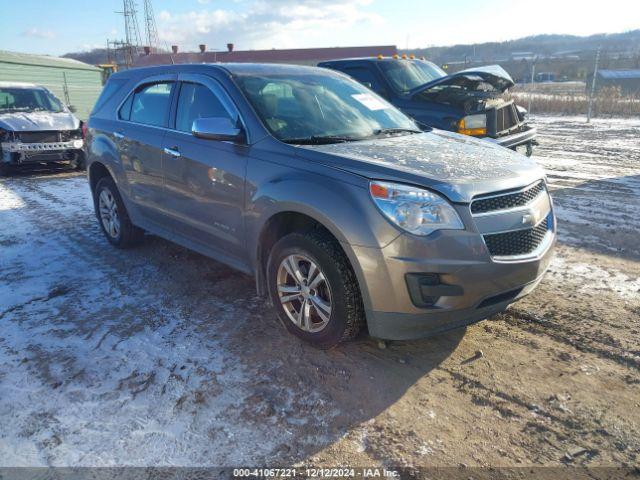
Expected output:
(343, 208)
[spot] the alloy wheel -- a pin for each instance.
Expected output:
(304, 293)
(109, 213)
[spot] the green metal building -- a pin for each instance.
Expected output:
(73, 82)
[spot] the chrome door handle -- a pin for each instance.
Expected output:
(170, 151)
(118, 135)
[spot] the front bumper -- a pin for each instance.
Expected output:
(516, 139)
(484, 285)
(19, 147)
(407, 326)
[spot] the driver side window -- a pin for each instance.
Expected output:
(278, 105)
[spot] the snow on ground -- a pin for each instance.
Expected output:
(97, 368)
(594, 173)
(157, 356)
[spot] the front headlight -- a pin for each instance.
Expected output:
(414, 209)
(473, 125)
(522, 112)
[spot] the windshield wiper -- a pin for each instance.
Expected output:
(23, 109)
(391, 131)
(320, 140)
(15, 109)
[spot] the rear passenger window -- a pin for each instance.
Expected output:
(148, 105)
(125, 110)
(197, 101)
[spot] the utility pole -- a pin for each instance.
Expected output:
(150, 26)
(65, 89)
(533, 77)
(109, 58)
(132, 31)
(593, 84)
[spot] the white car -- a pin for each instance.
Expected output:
(36, 127)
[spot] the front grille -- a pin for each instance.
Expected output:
(506, 118)
(520, 242)
(509, 200)
(67, 135)
(39, 137)
(48, 136)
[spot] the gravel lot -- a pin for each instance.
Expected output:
(159, 356)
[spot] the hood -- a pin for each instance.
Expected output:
(494, 75)
(457, 166)
(38, 121)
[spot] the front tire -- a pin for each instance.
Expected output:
(113, 217)
(5, 168)
(314, 289)
(78, 163)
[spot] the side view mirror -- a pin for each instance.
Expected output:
(217, 128)
(72, 109)
(368, 85)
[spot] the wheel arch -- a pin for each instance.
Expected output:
(292, 220)
(96, 171)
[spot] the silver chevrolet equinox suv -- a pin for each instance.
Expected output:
(344, 211)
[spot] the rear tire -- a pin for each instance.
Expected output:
(113, 217)
(335, 312)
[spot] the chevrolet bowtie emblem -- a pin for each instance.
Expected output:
(527, 219)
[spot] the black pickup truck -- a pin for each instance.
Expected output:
(470, 102)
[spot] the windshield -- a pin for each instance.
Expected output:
(406, 75)
(28, 100)
(321, 108)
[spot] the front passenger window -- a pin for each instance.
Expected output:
(197, 101)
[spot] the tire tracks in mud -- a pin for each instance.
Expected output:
(78, 235)
(56, 291)
(569, 428)
(85, 239)
(539, 425)
(547, 428)
(565, 335)
(70, 232)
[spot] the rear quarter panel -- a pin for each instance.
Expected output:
(102, 149)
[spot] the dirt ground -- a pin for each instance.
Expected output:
(159, 356)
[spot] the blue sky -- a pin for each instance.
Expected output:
(59, 26)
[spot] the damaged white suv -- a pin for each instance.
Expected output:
(35, 127)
